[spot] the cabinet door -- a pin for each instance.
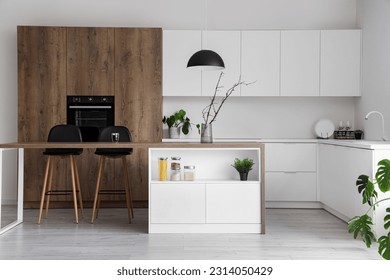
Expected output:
(233, 203)
(338, 171)
(41, 98)
(90, 61)
(178, 47)
(291, 157)
(227, 44)
(295, 186)
(340, 62)
(300, 63)
(177, 203)
(260, 63)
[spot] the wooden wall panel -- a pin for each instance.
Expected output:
(138, 95)
(90, 71)
(57, 61)
(90, 61)
(42, 91)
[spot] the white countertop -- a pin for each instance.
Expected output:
(361, 144)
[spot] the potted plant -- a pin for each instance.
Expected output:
(358, 134)
(363, 224)
(243, 166)
(178, 122)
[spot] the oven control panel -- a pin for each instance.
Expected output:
(90, 99)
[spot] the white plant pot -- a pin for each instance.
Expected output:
(174, 132)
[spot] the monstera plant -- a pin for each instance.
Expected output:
(363, 225)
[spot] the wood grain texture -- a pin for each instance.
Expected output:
(57, 61)
(138, 96)
(90, 61)
(42, 92)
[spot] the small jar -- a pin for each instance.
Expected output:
(175, 169)
(162, 168)
(189, 173)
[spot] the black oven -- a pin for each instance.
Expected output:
(90, 114)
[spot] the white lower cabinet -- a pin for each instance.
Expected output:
(291, 175)
(291, 186)
(233, 203)
(339, 169)
(177, 203)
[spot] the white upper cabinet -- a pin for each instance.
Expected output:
(340, 62)
(228, 45)
(260, 63)
(300, 63)
(178, 47)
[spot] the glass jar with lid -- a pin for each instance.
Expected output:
(162, 168)
(175, 169)
(189, 173)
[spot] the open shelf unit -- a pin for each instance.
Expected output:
(216, 201)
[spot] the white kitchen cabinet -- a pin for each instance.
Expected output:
(228, 45)
(216, 201)
(340, 62)
(233, 203)
(291, 174)
(300, 62)
(339, 168)
(291, 157)
(260, 63)
(291, 186)
(178, 47)
(178, 203)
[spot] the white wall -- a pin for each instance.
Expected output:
(374, 19)
(168, 14)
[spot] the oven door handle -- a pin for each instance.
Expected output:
(88, 107)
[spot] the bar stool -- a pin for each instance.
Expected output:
(114, 153)
(62, 133)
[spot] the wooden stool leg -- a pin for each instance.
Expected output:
(49, 187)
(100, 175)
(72, 168)
(44, 188)
(127, 190)
(78, 187)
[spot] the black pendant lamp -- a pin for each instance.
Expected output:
(206, 60)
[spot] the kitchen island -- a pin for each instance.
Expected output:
(216, 201)
(210, 156)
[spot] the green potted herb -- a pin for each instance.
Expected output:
(178, 122)
(243, 166)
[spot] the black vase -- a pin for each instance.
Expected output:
(243, 176)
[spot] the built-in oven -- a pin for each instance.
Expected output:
(90, 114)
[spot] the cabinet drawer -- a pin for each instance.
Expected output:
(281, 186)
(177, 203)
(233, 203)
(291, 157)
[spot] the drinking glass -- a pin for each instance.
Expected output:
(115, 137)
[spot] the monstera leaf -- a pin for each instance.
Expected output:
(387, 219)
(362, 225)
(382, 175)
(384, 246)
(367, 189)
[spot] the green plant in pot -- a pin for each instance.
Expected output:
(243, 166)
(363, 225)
(178, 122)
